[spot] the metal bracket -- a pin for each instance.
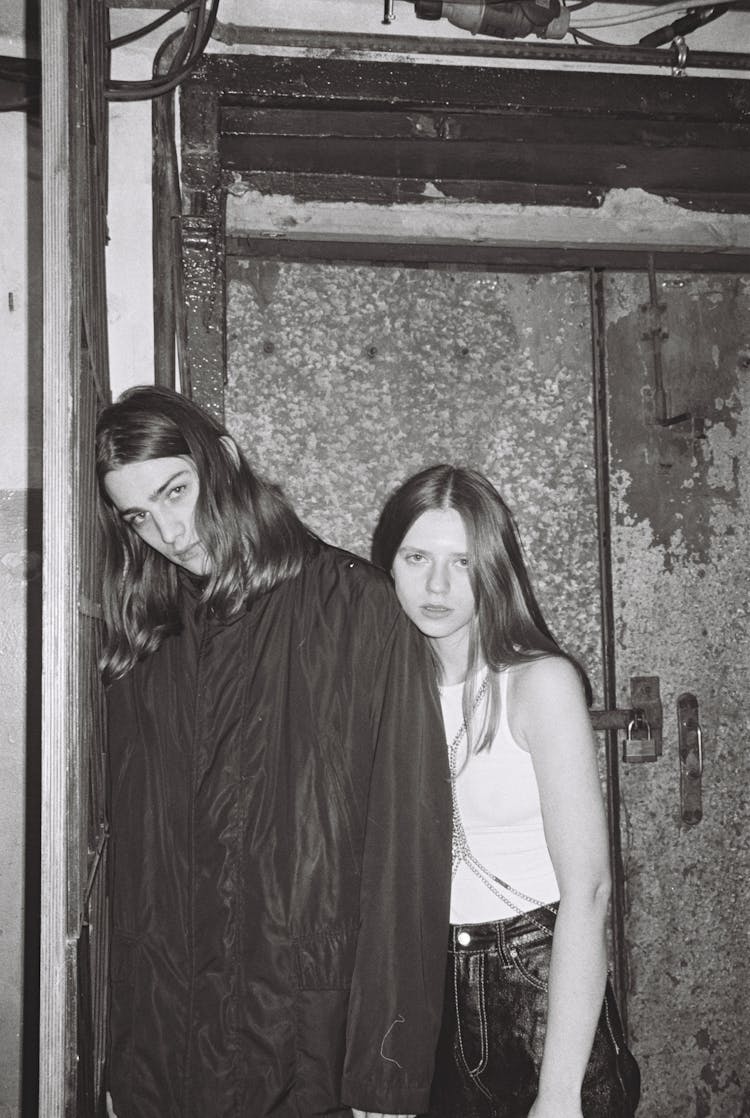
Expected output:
(656, 333)
(646, 697)
(645, 712)
(680, 55)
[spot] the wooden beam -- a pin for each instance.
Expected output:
(504, 258)
(511, 135)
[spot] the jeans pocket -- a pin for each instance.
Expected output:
(471, 1013)
(532, 963)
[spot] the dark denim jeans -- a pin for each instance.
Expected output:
(494, 1021)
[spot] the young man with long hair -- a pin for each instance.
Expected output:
(279, 797)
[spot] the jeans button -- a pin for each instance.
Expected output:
(464, 939)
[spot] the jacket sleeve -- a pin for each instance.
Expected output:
(397, 985)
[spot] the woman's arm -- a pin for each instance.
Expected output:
(548, 715)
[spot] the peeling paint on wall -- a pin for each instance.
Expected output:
(674, 470)
(681, 504)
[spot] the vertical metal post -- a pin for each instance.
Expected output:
(609, 684)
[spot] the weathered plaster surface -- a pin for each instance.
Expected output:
(682, 589)
(626, 218)
(342, 381)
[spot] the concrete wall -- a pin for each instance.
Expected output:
(344, 380)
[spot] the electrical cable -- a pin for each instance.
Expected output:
(19, 76)
(20, 106)
(203, 20)
(695, 18)
(654, 13)
(158, 85)
(132, 36)
(580, 37)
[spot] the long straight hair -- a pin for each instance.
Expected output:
(252, 536)
(508, 626)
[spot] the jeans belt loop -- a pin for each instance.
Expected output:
(502, 948)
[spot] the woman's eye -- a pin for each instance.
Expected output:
(136, 519)
(177, 490)
(414, 557)
(463, 562)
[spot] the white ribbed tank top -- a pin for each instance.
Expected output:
(498, 799)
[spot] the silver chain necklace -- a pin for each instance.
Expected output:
(461, 850)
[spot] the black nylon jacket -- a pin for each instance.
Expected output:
(280, 858)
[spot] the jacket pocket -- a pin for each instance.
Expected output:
(123, 969)
(324, 972)
(325, 960)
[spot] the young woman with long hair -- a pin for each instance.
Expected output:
(530, 1026)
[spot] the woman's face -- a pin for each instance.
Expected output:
(431, 572)
(156, 499)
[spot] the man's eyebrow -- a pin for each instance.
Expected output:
(156, 493)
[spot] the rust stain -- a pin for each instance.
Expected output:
(672, 469)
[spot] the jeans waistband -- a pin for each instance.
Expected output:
(535, 926)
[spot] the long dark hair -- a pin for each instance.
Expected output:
(508, 626)
(252, 536)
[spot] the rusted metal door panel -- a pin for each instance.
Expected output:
(681, 500)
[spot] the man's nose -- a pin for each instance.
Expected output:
(170, 527)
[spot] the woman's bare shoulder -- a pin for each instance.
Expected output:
(542, 675)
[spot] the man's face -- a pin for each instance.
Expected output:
(156, 499)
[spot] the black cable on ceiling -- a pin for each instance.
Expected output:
(199, 28)
(141, 32)
(584, 38)
(19, 106)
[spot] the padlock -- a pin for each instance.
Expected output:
(639, 746)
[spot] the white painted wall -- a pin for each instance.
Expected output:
(128, 256)
(14, 306)
(20, 475)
